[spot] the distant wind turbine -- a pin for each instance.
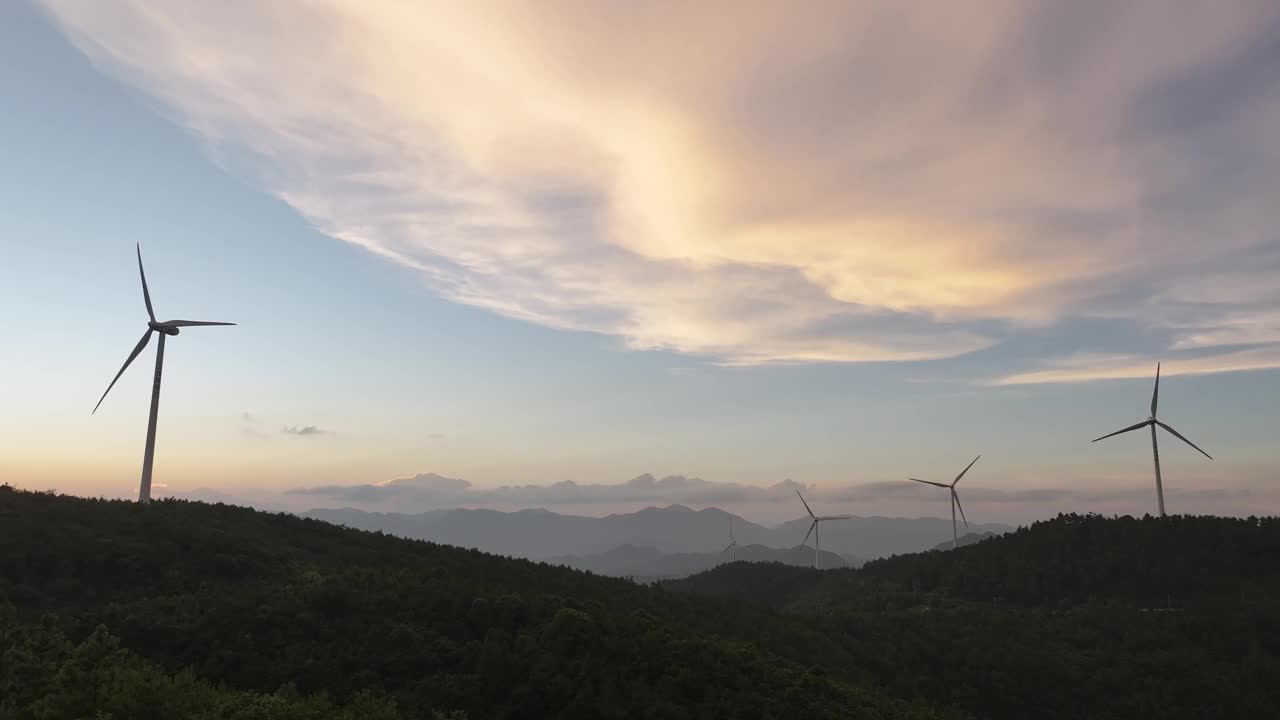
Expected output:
(955, 502)
(1155, 448)
(168, 327)
(733, 544)
(813, 527)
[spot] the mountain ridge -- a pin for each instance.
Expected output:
(647, 563)
(671, 529)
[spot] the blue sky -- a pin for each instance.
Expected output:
(528, 261)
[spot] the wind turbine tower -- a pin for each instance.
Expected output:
(955, 502)
(163, 329)
(813, 528)
(1152, 422)
(733, 544)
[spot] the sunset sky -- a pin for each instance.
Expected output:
(546, 247)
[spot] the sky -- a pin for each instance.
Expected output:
(594, 256)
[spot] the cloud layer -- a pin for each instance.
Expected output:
(857, 182)
(778, 501)
(433, 490)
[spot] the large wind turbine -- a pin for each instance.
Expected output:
(813, 528)
(955, 502)
(1155, 448)
(163, 329)
(733, 544)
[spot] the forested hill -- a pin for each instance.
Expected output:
(1176, 562)
(188, 610)
(1151, 562)
(108, 602)
(1076, 617)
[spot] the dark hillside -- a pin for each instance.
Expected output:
(1059, 620)
(258, 601)
(1077, 617)
(1178, 561)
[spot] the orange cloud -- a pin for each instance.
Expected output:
(850, 182)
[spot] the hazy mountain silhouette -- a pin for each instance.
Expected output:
(966, 539)
(644, 563)
(543, 535)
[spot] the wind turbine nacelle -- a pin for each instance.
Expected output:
(161, 327)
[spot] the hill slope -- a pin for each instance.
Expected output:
(1073, 617)
(257, 601)
(646, 563)
(1053, 621)
(1181, 560)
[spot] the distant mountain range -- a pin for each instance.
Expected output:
(647, 563)
(676, 529)
(966, 539)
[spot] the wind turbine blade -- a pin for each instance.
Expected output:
(192, 323)
(965, 470)
(1155, 394)
(806, 505)
(727, 548)
(956, 496)
(836, 517)
(1142, 424)
(812, 525)
(146, 294)
(1183, 439)
(731, 540)
(930, 482)
(146, 337)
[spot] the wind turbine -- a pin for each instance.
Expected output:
(733, 544)
(955, 502)
(1155, 448)
(163, 329)
(813, 528)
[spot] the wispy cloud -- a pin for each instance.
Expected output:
(303, 430)
(1046, 497)
(249, 426)
(893, 182)
(1083, 368)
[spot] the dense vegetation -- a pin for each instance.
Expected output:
(1080, 616)
(250, 602)
(42, 675)
(1179, 562)
(231, 613)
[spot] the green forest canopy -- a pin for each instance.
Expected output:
(232, 612)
